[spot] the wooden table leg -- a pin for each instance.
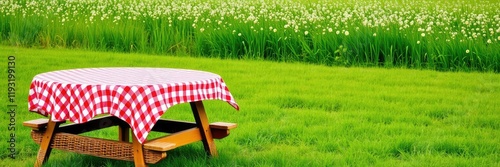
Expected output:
(202, 122)
(138, 153)
(48, 135)
(123, 133)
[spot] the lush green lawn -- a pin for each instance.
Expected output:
(299, 114)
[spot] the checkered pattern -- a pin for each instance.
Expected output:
(139, 96)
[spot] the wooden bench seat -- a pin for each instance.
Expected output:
(175, 139)
(37, 124)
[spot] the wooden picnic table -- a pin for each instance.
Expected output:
(133, 99)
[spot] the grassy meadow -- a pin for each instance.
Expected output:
(295, 114)
(452, 35)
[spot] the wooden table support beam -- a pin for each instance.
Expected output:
(202, 121)
(138, 153)
(45, 149)
(123, 133)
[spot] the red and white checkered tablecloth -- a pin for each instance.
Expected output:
(139, 96)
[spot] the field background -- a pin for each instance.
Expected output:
(319, 83)
(295, 114)
(452, 35)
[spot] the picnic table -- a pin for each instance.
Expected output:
(133, 99)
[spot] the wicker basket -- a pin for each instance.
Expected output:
(98, 147)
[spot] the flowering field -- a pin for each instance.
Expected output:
(449, 35)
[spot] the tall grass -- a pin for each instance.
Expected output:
(449, 35)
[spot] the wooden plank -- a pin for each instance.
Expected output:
(94, 124)
(202, 122)
(172, 126)
(45, 149)
(219, 129)
(223, 125)
(160, 146)
(123, 133)
(177, 139)
(138, 153)
(219, 133)
(38, 124)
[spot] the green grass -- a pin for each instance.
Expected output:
(295, 114)
(452, 35)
